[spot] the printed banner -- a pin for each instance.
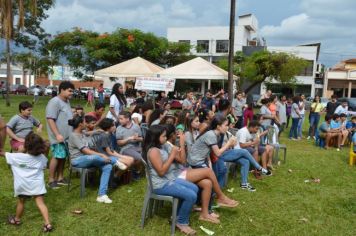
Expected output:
(156, 84)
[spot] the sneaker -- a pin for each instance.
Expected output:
(308, 137)
(338, 149)
(266, 172)
(248, 187)
(63, 182)
(314, 137)
(104, 199)
(53, 185)
(120, 165)
(257, 174)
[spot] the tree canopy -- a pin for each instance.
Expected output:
(265, 66)
(90, 51)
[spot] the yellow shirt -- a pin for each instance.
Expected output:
(318, 107)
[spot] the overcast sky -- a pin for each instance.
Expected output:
(281, 22)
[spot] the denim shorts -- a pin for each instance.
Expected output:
(59, 151)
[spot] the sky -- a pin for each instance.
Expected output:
(281, 22)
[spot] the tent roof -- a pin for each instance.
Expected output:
(197, 69)
(135, 67)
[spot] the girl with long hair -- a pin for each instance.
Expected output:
(117, 102)
(211, 141)
(205, 117)
(191, 131)
(167, 180)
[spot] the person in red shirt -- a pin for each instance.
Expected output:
(248, 114)
(98, 113)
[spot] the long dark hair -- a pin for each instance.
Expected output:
(155, 115)
(188, 123)
(152, 139)
(76, 121)
(120, 96)
(217, 120)
(203, 114)
(34, 144)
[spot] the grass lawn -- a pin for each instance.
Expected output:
(282, 205)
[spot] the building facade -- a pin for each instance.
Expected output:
(19, 76)
(341, 79)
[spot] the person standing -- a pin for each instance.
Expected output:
(208, 102)
(238, 105)
(117, 102)
(282, 113)
(188, 103)
(314, 117)
(101, 93)
(302, 116)
(295, 114)
(36, 94)
(90, 98)
(332, 105)
(289, 110)
(58, 112)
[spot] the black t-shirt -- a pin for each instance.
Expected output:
(331, 107)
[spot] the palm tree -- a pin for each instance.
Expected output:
(9, 8)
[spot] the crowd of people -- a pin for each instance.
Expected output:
(187, 152)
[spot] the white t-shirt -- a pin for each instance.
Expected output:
(243, 136)
(340, 109)
(114, 103)
(28, 172)
(302, 111)
(36, 91)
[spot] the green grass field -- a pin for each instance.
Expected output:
(282, 205)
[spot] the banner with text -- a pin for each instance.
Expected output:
(157, 84)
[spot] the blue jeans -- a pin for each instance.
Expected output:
(300, 125)
(314, 122)
(187, 194)
(237, 156)
(294, 129)
(88, 161)
(101, 97)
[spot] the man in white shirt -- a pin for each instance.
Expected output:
(248, 138)
(36, 94)
(342, 109)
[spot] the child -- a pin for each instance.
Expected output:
(84, 157)
(58, 112)
(28, 171)
(103, 143)
(21, 125)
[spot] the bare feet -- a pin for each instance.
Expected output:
(216, 215)
(227, 202)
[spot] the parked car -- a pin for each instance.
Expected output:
(350, 101)
(18, 89)
(31, 91)
(49, 89)
(107, 93)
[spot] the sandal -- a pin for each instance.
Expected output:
(47, 228)
(231, 204)
(12, 221)
(214, 214)
(185, 229)
(209, 219)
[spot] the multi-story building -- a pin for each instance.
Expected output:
(212, 42)
(341, 79)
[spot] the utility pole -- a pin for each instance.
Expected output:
(231, 49)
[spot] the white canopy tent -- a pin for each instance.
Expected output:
(136, 67)
(196, 69)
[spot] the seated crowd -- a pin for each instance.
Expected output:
(188, 153)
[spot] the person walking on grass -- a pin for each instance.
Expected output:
(36, 94)
(28, 171)
(58, 112)
(90, 98)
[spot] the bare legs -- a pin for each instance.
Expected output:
(40, 204)
(56, 167)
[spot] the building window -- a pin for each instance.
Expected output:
(184, 42)
(222, 46)
(308, 70)
(203, 46)
(17, 80)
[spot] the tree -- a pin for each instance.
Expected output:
(265, 66)
(88, 51)
(29, 15)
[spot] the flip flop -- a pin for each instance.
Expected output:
(47, 228)
(186, 231)
(210, 220)
(222, 204)
(12, 221)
